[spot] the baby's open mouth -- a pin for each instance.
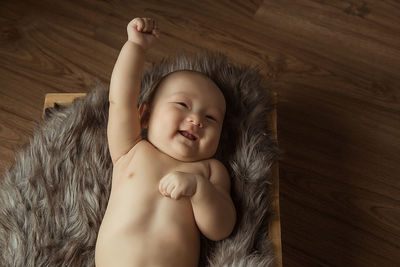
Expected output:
(188, 135)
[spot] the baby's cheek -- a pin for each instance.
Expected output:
(213, 140)
(166, 120)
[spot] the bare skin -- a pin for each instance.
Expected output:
(166, 190)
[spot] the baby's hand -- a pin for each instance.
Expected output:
(143, 31)
(178, 184)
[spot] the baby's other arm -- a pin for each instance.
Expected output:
(123, 130)
(213, 208)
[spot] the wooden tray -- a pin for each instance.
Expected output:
(274, 225)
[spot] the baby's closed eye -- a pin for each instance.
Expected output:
(210, 117)
(183, 104)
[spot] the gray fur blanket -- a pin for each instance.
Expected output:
(52, 200)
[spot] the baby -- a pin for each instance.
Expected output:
(167, 189)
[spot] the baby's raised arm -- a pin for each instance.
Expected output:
(123, 130)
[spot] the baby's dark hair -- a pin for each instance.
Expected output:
(229, 78)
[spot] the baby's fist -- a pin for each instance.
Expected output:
(143, 31)
(178, 184)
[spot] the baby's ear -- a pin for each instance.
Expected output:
(144, 115)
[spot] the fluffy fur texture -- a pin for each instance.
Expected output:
(53, 199)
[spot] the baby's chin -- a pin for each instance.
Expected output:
(187, 157)
(190, 159)
(183, 155)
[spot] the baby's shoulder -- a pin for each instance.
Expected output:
(141, 146)
(215, 163)
(216, 166)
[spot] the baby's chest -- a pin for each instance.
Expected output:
(150, 165)
(154, 167)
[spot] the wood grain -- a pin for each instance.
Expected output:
(334, 64)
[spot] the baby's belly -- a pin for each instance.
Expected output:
(143, 228)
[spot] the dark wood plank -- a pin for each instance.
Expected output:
(340, 126)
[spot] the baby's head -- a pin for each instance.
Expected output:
(184, 116)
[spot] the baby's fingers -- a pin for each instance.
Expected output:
(139, 23)
(175, 194)
(166, 186)
(145, 24)
(162, 187)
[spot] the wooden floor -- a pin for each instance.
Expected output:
(336, 68)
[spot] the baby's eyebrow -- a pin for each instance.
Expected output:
(187, 95)
(174, 96)
(178, 94)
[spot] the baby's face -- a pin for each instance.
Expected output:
(186, 116)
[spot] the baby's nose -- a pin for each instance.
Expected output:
(196, 120)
